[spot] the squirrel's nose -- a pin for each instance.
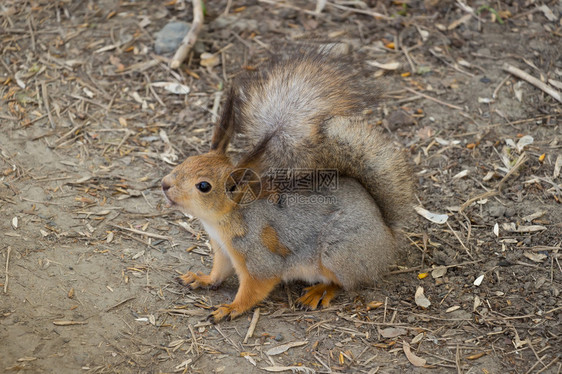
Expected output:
(166, 184)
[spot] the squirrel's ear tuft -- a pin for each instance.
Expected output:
(252, 158)
(224, 129)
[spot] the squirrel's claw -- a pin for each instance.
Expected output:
(310, 299)
(194, 281)
(223, 311)
(315, 294)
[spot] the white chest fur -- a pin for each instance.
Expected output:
(305, 273)
(215, 235)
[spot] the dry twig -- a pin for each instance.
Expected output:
(361, 11)
(520, 161)
(532, 80)
(7, 264)
(253, 324)
(288, 6)
(189, 40)
(484, 195)
(151, 235)
(434, 99)
(46, 102)
(495, 94)
(460, 241)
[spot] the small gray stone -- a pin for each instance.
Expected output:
(441, 258)
(497, 210)
(169, 38)
(400, 118)
(510, 212)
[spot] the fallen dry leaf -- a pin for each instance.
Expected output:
(394, 65)
(489, 176)
(175, 88)
(548, 13)
(433, 217)
(392, 332)
(420, 298)
(531, 228)
(418, 338)
(461, 174)
(534, 216)
(536, 257)
(209, 59)
(414, 360)
(523, 142)
(251, 359)
(447, 142)
(557, 167)
(511, 227)
(284, 347)
(438, 272)
(477, 302)
(478, 281)
(518, 91)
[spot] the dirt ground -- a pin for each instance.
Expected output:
(89, 250)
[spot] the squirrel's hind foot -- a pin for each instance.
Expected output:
(320, 293)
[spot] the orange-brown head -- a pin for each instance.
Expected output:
(209, 186)
(198, 186)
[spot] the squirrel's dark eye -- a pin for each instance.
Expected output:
(203, 186)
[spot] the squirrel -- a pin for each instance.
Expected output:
(303, 116)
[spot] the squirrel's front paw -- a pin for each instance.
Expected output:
(194, 281)
(223, 311)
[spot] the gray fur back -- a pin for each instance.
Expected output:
(348, 236)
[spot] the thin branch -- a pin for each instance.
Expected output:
(532, 80)
(7, 265)
(434, 99)
(253, 324)
(189, 40)
(361, 11)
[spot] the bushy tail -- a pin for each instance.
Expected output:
(306, 112)
(292, 96)
(368, 155)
